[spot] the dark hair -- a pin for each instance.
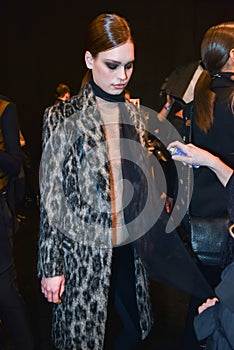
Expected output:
(61, 90)
(215, 48)
(216, 45)
(105, 32)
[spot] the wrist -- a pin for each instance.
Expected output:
(213, 162)
(167, 107)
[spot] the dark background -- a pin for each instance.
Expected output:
(42, 45)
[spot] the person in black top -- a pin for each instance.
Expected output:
(211, 116)
(216, 315)
(13, 312)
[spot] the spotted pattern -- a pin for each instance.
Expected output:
(79, 253)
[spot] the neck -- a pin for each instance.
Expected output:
(104, 95)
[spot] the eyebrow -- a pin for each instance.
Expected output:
(118, 62)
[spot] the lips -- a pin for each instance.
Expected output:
(119, 86)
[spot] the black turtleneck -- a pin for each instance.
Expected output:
(104, 95)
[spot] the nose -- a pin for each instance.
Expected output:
(122, 74)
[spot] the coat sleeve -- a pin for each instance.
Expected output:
(226, 322)
(50, 253)
(205, 323)
(216, 321)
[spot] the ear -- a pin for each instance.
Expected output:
(88, 60)
(231, 54)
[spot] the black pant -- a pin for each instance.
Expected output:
(13, 312)
(122, 301)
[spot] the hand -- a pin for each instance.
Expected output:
(170, 100)
(169, 201)
(206, 304)
(53, 288)
(199, 156)
(162, 115)
(169, 204)
(194, 155)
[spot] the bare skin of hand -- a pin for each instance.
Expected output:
(206, 304)
(196, 155)
(169, 201)
(53, 288)
(169, 204)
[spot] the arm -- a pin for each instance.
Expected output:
(50, 260)
(205, 323)
(50, 252)
(196, 155)
(10, 158)
(162, 115)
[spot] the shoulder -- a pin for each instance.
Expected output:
(75, 104)
(57, 113)
(78, 108)
(5, 98)
(7, 107)
(4, 101)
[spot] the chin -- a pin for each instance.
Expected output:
(116, 91)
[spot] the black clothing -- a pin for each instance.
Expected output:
(13, 312)
(207, 324)
(12, 309)
(217, 322)
(122, 300)
(105, 95)
(209, 197)
(10, 156)
(10, 163)
(6, 259)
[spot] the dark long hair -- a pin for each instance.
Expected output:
(215, 48)
(105, 32)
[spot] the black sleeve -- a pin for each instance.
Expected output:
(205, 323)
(230, 191)
(10, 158)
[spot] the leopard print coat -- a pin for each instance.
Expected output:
(75, 231)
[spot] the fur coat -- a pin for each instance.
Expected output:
(76, 221)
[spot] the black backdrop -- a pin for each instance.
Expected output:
(42, 45)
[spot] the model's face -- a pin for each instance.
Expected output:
(112, 69)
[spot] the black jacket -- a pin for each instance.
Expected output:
(10, 164)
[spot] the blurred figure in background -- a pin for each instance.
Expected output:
(62, 93)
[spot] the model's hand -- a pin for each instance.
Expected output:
(169, 204)
(53, 288)
(208, 303)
